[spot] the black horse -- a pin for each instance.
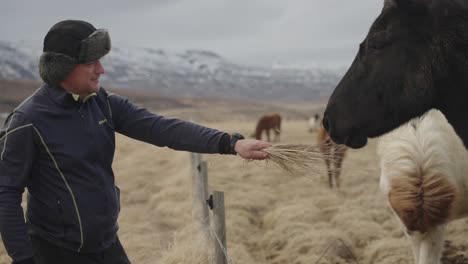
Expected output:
(414, 58)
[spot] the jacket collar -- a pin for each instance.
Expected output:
(62, 97)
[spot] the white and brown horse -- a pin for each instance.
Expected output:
(424, 175)
(314, 123)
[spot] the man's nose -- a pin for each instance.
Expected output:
(99, 67)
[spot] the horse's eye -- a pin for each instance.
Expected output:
(376, 45)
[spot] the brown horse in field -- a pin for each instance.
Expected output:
(267, 122)
(333, 155)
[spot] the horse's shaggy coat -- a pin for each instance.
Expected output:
(424, 167)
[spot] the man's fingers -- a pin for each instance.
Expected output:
(261, 145)
(259, 155)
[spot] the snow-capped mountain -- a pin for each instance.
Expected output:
(191, 73)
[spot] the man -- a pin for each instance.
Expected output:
(60, 142)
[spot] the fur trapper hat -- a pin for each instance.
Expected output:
(69, 43)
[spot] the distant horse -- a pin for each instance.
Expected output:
(333, 155)
(267, 122)
(424, 167)
(314, 123)
(414, 58)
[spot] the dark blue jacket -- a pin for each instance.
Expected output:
(62, 151)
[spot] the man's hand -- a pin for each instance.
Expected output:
(251, 149)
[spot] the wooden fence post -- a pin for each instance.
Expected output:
(219, 226)
(200, 193)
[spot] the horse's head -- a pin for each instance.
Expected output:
(391, 80)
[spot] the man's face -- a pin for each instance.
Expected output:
(84, 79)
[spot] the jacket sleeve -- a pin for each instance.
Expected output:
(17, 152)
(140, 124)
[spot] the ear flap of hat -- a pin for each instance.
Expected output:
(95, 46)
(55, 67)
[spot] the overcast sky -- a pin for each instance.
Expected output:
(305, 32)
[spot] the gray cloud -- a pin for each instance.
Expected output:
(247, 31)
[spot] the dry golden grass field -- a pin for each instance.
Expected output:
(271, 217)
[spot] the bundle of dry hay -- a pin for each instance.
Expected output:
(296, 159)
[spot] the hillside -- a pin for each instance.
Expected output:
(190, 73)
